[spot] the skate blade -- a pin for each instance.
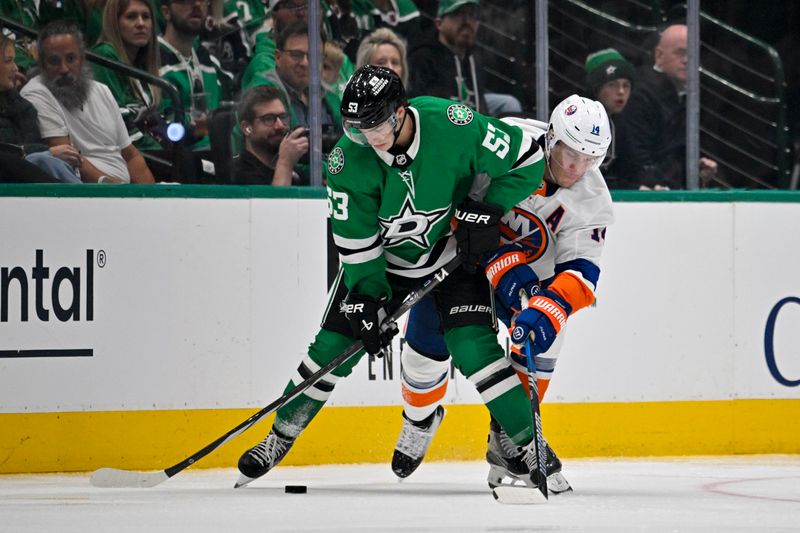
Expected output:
(242, 481)
(518, 495)
(558, 484)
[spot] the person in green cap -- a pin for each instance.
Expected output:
(445, 65)
(609, 80)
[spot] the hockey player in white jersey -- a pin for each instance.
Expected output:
(548, 274)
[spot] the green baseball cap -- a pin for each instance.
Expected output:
(448, 6)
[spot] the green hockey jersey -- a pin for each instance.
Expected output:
(392, 213)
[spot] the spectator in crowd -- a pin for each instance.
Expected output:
(332, 60)
(129, 36)
(291, 76)
(271, 150)
(74, 110)
(86, 14)
(652, 149)
(609, 79)
(21, 143)
(186, 64)
(24, 12)
(384, 48)
(282, 13)
(446, 66)
(401, 16)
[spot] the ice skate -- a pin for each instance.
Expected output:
(506, 466)
(261, 458)
(413, 443)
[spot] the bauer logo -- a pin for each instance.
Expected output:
(470, 309)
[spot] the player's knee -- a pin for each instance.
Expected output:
(327, 346)
(421, 369)
(473, 348)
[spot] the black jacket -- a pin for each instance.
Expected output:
(18, 123)
(651, 137)
(435, 71)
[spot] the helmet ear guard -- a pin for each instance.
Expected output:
(582, 124)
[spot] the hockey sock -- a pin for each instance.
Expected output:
(477, 355)
(294, 417)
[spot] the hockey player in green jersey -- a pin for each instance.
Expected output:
(403, 171)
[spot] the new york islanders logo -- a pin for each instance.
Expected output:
(519, 222)
(336, 161)
(459, 114)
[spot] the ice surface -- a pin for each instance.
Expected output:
(730, 494)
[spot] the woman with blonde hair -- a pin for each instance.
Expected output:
(129, 36)
(384, 48)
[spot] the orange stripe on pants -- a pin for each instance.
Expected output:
(424, 399)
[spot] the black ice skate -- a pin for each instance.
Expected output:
(413, 443)
(506, 464)
(261, 458)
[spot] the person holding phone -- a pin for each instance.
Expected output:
(271, 150)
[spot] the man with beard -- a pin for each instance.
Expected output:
(198, 75)
(445, 65)
(75, 110)
(271, 152)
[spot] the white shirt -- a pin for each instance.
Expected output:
(96, 128)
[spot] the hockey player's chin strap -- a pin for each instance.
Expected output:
(400, 129)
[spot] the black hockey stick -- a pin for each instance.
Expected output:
(538, 439)
(120, 478)
(523, 494)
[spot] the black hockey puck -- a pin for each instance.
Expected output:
(296, 489)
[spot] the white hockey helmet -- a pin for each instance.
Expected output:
(582, 124)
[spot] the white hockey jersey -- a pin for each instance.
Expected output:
(564, 229)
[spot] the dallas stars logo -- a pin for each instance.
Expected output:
(336, 161)
(411, 225)
(459, 114)
(611, 69)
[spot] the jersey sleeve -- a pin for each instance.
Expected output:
(511, 158)
(354, 197)
(579, 245)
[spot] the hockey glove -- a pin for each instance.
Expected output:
(367, 320)
(511, 277)
(541, 320)
(478, 231)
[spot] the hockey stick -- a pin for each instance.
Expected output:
(523, 494)
(120, 478)
(538, 439)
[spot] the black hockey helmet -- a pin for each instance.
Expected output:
(371, 97)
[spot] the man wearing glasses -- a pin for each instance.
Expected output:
(271, 150)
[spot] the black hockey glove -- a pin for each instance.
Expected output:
(478, 231)
(367, 320)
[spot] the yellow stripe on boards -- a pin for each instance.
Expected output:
(153, 440)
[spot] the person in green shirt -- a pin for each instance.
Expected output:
(24, 12)
(185, 63)
(129, 37)
(395, 182)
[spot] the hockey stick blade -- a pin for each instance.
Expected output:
(116, 478)
(518, 495)
(120, 478)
